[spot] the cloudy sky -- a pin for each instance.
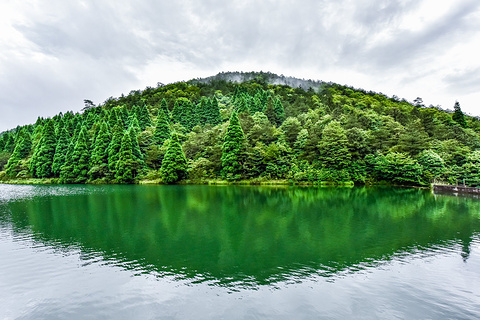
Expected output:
(55, 53)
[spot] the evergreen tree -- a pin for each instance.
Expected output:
(114, 147)
(162, 128)
(174, 164)
(213, 112)
(10, 143)
(164, 107)
(232, 150)
(127, 166)
(279, 112)
(458, 115)
(268, 110)
(76, 169)
(201, 111)
(143, 117)
(61, 149)
(42, 159)
(99, 159)
(133, 131)
(184, 113)
(21, 151)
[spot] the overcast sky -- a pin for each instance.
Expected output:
(55, 53)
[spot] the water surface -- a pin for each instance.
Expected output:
(200, 252)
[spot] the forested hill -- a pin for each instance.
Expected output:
(247, 126)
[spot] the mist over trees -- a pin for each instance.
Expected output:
(248, 126)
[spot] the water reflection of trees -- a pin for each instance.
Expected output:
(231, 234)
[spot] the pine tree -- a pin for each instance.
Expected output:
(279, 112)
(232, 149)
(61, 149)
(127, 166)
(184, 113)
(162, 128)
(143, 117)
(10, 143)
(42, 159)
(133, 131)
(174, 164)
(164, 107)
(213, 112)
(81, 157)
(268, 110)
(76, 169)
(114, 147)
(458, 115)
(21, 151)
(99, 159)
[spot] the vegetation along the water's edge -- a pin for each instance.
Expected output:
(250, 128)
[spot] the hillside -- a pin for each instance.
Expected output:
(257, 127)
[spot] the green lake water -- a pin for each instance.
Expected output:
(235, 252)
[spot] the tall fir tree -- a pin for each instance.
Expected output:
(268, 110)
(143, 117)
(232, 149)
(42, 159)
(21, 151)
(114, 147)
(458, 115)
(174, 164)
(279, 112)
(127, 166)
(99, 159)
(162, 128)
(164, 107)
(213, 112)
(76, 170)
(61, 150)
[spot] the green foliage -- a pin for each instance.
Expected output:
(458, 115)
(42, 159)
(127, 166)
(162, 128)
(333, 147)
(174, 164)
(232, 150)
(61, 149)
(99, 159)
(331, 134)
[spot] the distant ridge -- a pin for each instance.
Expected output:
(267, 77)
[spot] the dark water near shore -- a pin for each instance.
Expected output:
(200, 252)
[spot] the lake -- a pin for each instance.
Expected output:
(237, 252)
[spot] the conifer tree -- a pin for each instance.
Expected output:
(162, 128)
(99, 159)
(127, 166)
(143, 117)
(232, 149)
(184, 113)
(279, 112)
(21, 151)
(114, 147)
(133, 131)
(76, 168)
(61, 149)
(42, 159)
(174, 164)
(81, 157)
(201, 111)
(213, 112)
(268, 110)
(164, 107)
(10, 143)
(458, 115)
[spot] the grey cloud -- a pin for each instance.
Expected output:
(465, 82)
(407, 46)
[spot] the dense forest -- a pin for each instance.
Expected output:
(247, 128)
